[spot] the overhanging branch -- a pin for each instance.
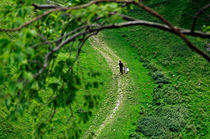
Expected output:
(197, 15)
(163, 27)
(45, 6)
(92, 32)
(177, 31)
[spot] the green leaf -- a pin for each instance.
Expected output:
(28, 76)
(4, 43)
(8, 103)
(35, 85)
(54, 86)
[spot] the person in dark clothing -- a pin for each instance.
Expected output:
(121, 67)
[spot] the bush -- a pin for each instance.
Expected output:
(159, 77)
(174, 117)
(165, 63)
(151, 67)
(166, 121)
(153, 127)
(142, 59)
(166, 94)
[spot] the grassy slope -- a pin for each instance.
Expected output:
(171, 55)
(141, 86)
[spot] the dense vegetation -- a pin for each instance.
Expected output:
(169, 83)
(49, 106)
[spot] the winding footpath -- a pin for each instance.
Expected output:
(121, 82)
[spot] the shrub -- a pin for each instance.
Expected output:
(124, 35)
(151, 67)
(146, 61)
(166, 94)
(159, 77)
(153, 127)
(166, 121)
(141, 59)
(165, 63)
(174, 117)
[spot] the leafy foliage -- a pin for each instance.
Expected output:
(37, 77)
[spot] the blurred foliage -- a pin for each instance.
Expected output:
(22, 55)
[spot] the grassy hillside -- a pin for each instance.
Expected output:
(180, 103)
(138, 94)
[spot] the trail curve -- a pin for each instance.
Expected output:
(122, 82)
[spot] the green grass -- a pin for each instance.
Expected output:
(139, 93)
(188, 72)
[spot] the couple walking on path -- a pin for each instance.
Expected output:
(123, 66)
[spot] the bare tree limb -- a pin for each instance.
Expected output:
(164, 27)
(45, 6)
(74, 31)
(111, 26)
(196, 16)
(82, 43)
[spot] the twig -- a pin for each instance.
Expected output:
(196, 16)
(52, 114)
(45, 39)
(164, 27)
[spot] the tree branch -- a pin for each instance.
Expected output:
(196, 16)
(82, 43)
(164, 27)
(139, 4)
(111, 26)
(45, 6)
(51, 11)
(45, 39)
(175, 30)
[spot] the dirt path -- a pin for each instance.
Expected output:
(121, 81)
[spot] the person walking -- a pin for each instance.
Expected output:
(126, 69)
(121, 67)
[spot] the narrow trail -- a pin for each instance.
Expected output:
(121, 81)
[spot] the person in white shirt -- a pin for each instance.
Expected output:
(126, 69)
